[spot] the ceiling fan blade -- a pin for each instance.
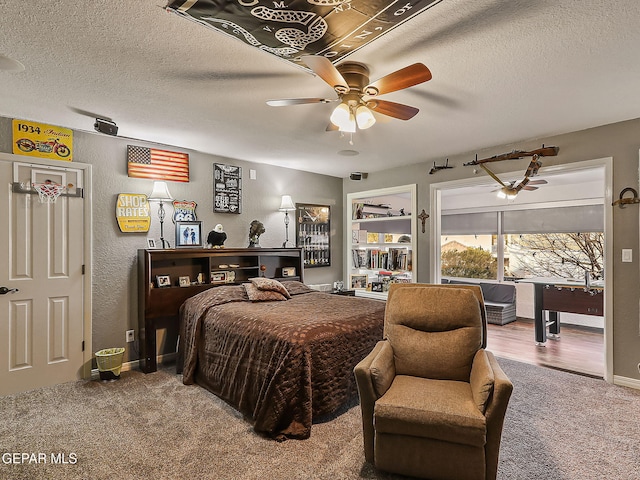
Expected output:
(296, 101)
(404, 78)
(527, 187)
(538, 182)
(392, 109)
(492, 175)
(332, 128)
(326, 71)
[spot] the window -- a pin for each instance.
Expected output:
(562, 242)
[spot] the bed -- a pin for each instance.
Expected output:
(282, 363)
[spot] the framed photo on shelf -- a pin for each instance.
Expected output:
(163, 281)
(220, 277)
(358, 281)
(188, 234)
(288, 271)
(184, 281)
(313, 234)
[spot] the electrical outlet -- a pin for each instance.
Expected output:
(130, 336)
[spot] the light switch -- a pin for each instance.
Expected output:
(627, 255)
(252, 174)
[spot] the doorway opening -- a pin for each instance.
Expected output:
(559, 235)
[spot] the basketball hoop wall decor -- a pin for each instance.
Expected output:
(48, 191)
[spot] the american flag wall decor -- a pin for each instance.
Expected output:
(157, 164)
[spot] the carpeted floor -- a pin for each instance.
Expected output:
(558, 426)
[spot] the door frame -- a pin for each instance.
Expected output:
(87, 333)
(607, 164)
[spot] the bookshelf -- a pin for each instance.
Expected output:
(381, 231)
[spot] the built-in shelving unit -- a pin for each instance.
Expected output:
(166, 278)
(381, 238)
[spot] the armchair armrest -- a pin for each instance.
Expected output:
(369, 386)
(496, 411)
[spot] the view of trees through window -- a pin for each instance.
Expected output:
(469, 256)
(563, 255)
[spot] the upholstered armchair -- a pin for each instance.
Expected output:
(433, 399)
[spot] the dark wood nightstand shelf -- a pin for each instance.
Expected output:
(159, 307)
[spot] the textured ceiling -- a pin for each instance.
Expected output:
(503, 71)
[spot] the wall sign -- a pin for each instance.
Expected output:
(42, 140)
(184, 211)
(227, 188)
(132, 212)
(154, 164)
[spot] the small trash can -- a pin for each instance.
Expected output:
(109, 363)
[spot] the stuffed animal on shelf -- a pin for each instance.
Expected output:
(216, 237)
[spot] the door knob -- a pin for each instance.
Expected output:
(5, 290)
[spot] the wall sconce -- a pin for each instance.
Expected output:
(286, 206)
(161, 194)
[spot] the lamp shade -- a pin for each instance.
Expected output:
(340, 115)
(287, 204)
(160, 192)
(364, 117)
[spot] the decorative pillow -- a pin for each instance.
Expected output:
(295, 288)
(269, 284)
(257, 295)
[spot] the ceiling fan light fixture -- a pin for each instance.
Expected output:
(508, 193)
(349, 126)
(340, 115)
(364, 117)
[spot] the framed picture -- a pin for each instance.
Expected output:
(288, 271)
(151, 243)
(313, 234)
(358, 281)
(163, 281)
(188, 234)
(227, 188)
(185, 281)
(219, 277)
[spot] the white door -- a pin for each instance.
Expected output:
(41, 266)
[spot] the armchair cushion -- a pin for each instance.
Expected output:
(482, 380)
(382, 369)
(435, 332)
(437, 409)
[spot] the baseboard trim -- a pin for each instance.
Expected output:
(626, 382)
(135, 364)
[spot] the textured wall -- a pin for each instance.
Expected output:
(620, 141)
(114, 253)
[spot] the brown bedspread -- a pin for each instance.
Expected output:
(280, 363)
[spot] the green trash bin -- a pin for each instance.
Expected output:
(109, 363)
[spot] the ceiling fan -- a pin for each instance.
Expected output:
(357, 97)
(510, 190)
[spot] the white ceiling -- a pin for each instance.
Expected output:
(503, 71)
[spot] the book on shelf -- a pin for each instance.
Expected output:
(358, 236)
(387, 259)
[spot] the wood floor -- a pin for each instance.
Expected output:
(578, 349)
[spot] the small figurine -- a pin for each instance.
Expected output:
(255, 230)
(216, 237)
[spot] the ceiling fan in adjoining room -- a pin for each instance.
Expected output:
(357, 97)
(512, 189)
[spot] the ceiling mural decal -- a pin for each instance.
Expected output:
(290, 29)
